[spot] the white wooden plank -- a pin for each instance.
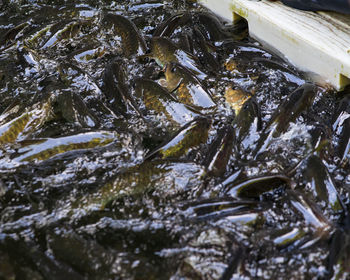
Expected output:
(314, 42)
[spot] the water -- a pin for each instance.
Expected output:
(101, 179)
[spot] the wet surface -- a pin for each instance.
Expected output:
(150, 140)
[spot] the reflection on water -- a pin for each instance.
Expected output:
(149, 140)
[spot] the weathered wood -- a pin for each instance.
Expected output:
(318, 43)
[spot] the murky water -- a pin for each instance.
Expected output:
(149, 140)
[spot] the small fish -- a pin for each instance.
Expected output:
(115, 88)
(188, 88)
(291, 108)
(132, 40)
(216, 209)
(10, 131)
(167, 27)
(289, 74)
(321, 140)
(68, 31)
(71, 108)
(203, 51)
(310, 211)
(290, 237)
(341, 127)
(47, 34)
(28, 122)
(158, 99)
(220, 152)
(213, 29)
(149, 176)
(247, 125)
(236, 97)
(321, 184)
(29, 59)
(248, 115)
(11, 35)
(88, 53)
(43, 149)
(254, 187)
(164, 51)
(338, 263)
(190, 136)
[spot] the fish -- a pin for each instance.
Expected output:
(167, 27)
(256, 186)
(132, 40)
(321, 184)
(162, 102)
(212, 27)
(149, 176)
(164, 51)
(42, 149)
(188, 137)
(221, 208)
(11, 35)
(68, 31)
(236, 97)
(291, 108)
(220, 152)
(115, 88)
(341, 128)
(247, 125)
(187, 87)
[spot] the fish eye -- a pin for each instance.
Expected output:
(173, 69)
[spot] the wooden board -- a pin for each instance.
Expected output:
(318, 43)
